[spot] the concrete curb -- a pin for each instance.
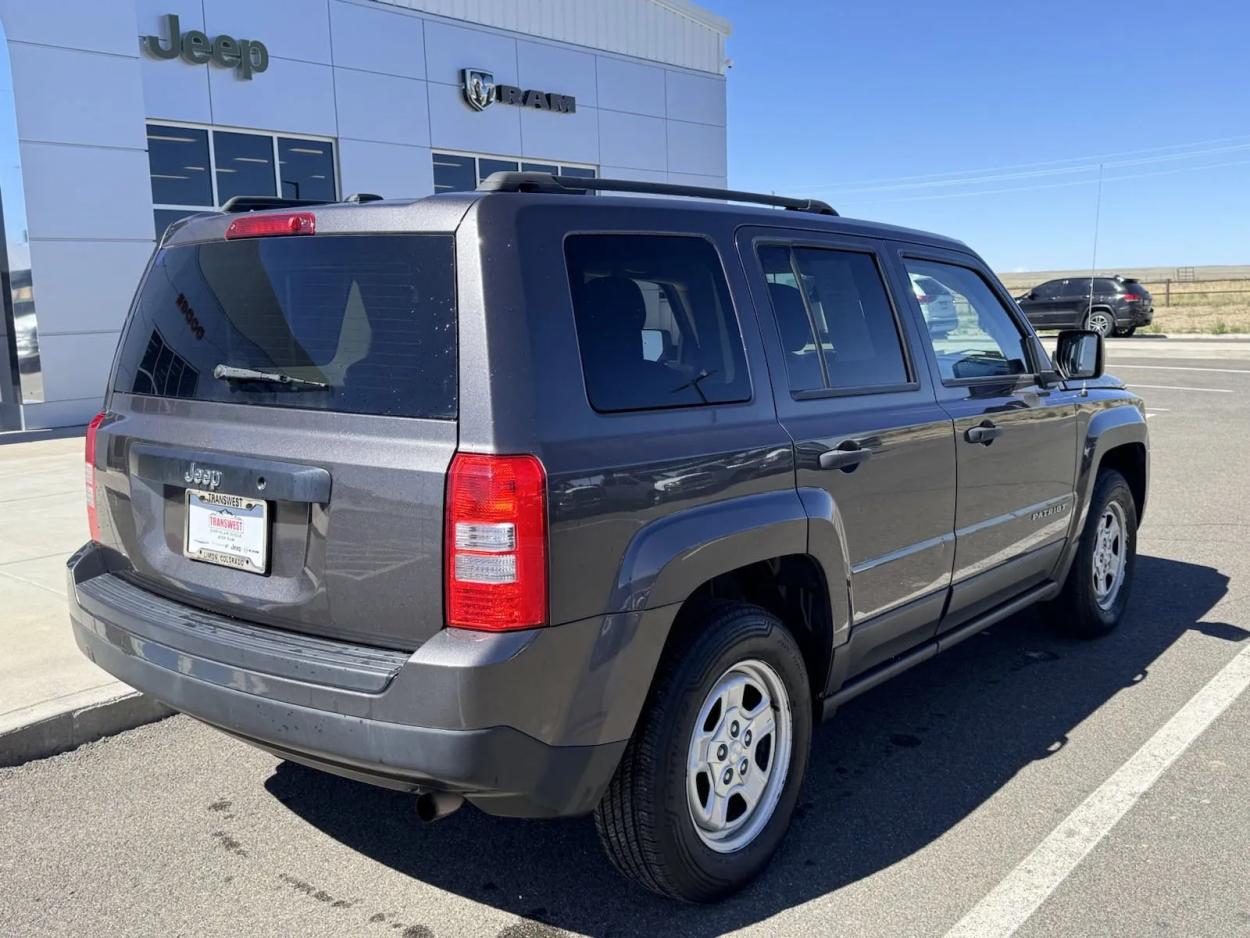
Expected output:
(72, 727)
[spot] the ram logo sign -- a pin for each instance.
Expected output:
(481, 90)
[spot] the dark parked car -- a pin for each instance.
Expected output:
(413, 493)
(1116, 305)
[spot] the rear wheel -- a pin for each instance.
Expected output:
(707, 785)
(1100, 321)
(1097, 589)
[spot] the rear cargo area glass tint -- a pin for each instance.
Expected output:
(364, 324)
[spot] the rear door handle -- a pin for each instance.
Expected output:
(846, 457)
(985, 434)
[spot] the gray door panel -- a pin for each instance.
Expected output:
(1016, 492)
(1015, 440)
(896, 505)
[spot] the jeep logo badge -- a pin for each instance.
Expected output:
(198, 475)
(245, 56)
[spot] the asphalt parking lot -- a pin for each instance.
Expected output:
(1020, 783)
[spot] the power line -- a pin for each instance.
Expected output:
(1085, 161)
(1051, 185)
(1033, 174)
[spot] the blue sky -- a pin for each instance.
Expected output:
(1004, 110)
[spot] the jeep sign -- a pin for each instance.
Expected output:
(246, 56)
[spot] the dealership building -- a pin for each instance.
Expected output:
(119, 116)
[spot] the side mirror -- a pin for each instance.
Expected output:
(1079, 354)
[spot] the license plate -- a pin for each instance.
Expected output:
(229, 530)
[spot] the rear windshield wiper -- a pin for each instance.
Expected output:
(233, 373)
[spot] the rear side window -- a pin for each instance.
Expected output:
(837, 326)
(361, 324)
(655, 324)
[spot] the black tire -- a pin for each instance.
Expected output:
(644, 820)
(1125, 332)
(1077, 611)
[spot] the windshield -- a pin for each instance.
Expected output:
(359, 324)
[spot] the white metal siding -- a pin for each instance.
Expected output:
(675, 32)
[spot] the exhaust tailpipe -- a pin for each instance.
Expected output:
(433, 805)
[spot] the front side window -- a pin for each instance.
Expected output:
(655, 323)
(986, 342)
(836, 323)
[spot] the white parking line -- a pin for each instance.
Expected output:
(1173, 387)
(1223, 371)
(1011, 903)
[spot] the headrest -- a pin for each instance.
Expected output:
(796, 329)
(614, 303)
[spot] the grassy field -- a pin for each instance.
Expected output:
(1216, 302)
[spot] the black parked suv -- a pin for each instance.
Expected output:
(1106, 305)
(566, 505)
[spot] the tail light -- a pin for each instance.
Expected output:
(263, 226)
(496, 542)
(924, 298)
(93, 517)
(1131, 297)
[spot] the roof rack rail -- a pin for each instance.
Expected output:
(548, 182)
(258, 203)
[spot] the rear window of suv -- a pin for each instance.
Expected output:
(361, 324)
(655, 324)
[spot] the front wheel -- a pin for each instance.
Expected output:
(1101, 321)
(1097, 588)
(707, 785)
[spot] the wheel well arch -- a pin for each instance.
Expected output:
(792, 587)
(1129, 459)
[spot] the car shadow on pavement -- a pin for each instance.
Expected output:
(893, 771)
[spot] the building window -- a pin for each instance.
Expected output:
(461, 172)
(199, 169)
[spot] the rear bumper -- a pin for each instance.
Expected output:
(528, 724)
(1133, 316)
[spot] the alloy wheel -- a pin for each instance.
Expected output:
(1101, 322)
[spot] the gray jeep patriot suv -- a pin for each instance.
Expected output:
(564, 504)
